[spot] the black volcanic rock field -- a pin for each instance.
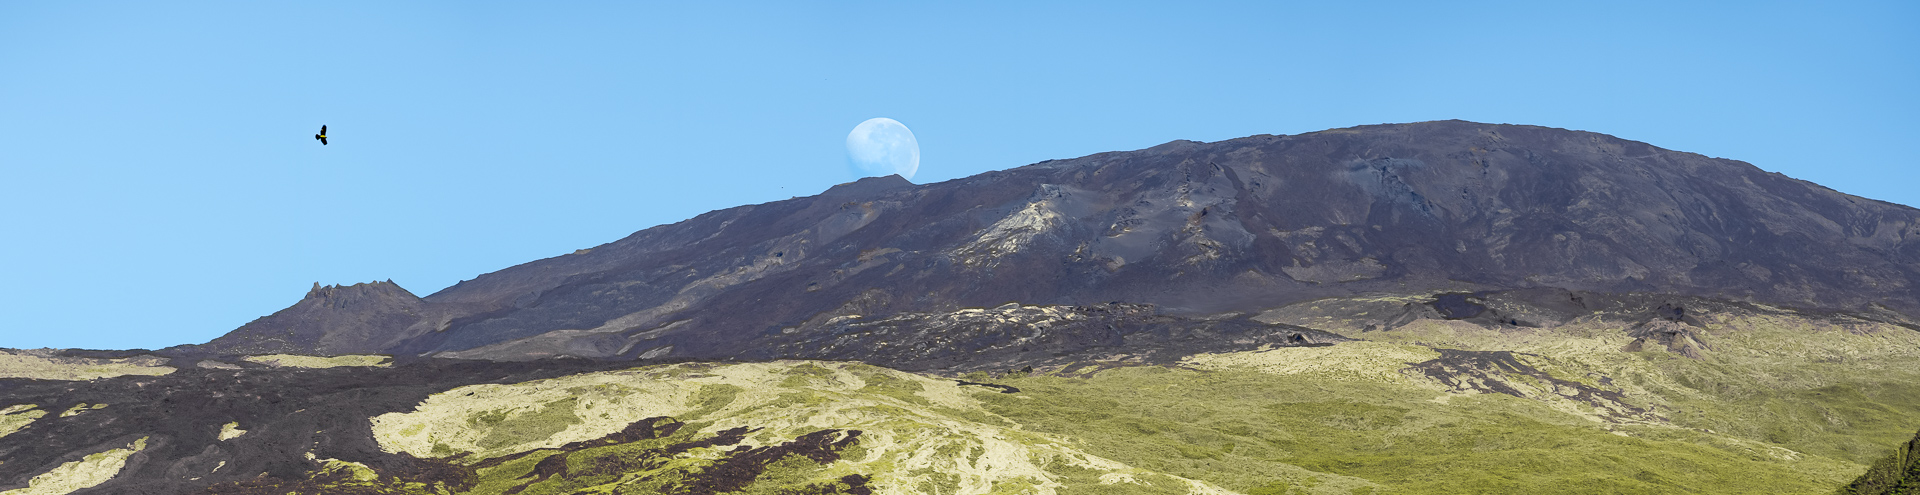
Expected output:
(1435, 307)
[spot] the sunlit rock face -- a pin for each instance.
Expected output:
(1190, 228)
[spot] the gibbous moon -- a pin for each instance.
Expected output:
(882, 146)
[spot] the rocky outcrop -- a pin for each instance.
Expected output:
(1672, 336)
(363, 318)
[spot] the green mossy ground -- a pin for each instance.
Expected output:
(1243, 431)
(1779, 405)
(1773, 404)
(1895, 474)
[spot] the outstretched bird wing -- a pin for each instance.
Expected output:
(323, 130)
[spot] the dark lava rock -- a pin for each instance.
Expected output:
(1455, 306)
(286, 413)
(1013, 336)
(1496, 372)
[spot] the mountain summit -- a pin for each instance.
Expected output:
(1185, 229)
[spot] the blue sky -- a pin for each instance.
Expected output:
(161, 185)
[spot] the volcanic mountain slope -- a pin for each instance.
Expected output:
(1190, 228)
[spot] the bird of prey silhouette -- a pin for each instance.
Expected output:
(322, 136)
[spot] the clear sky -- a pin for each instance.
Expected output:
(161, 184)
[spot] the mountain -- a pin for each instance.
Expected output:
(1189, 229)
(1440, 307)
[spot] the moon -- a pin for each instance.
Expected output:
(882, 146)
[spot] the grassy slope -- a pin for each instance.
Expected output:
(917, 434)
(1780, 404)
(1777, 403)
(1896, 474)
(1244, 430)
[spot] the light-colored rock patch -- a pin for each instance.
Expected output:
(656, 352)
(80, 408)
(95, 469)
(1010, 234)
(299, 361)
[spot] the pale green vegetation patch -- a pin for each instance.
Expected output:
(1362, 360)
(1758, 401)
(346, 472)
(917, 434)
(16, 417)
(299, 361)
(81, 408)
(1262, 433)
(511, 427)
(1846, 391)
(43, 364)
(92, 470)
(1774, 402)
(231, 431)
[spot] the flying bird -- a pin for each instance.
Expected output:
(322, 136)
